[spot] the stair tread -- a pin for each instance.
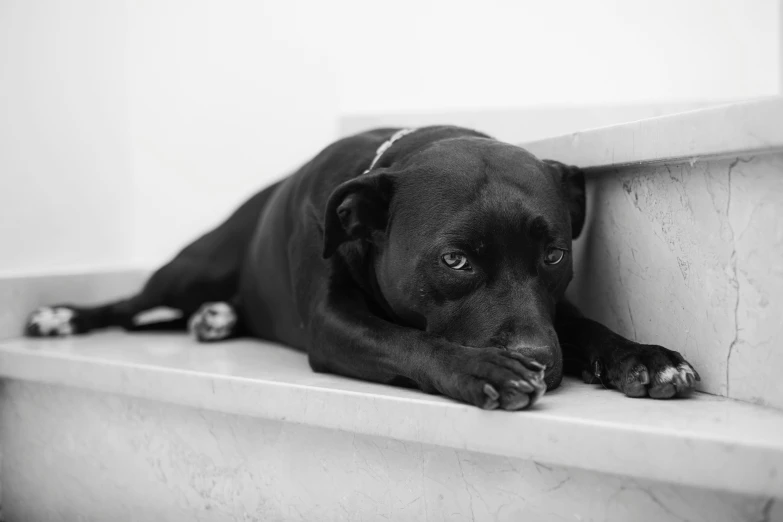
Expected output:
(704, 440)
(725, 130)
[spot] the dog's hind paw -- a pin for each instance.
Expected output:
(213, 322)
(51, 321)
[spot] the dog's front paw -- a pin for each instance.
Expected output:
(51, 321)
(213, 322)
(641, 370)
(492, 378)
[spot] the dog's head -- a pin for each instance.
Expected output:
(469, 238)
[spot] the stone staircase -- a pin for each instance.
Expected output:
(683, 248)
(685, 237)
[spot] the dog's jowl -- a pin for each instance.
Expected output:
(435, 258)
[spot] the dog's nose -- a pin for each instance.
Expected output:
(543, 354)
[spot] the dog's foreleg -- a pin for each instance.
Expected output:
(601, 355)
(348, 339)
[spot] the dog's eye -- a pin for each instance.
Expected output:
(553, 256)
(456, 261)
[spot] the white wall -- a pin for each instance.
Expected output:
(463, 54)
(65, 172)
(128, 127)
(224, 98)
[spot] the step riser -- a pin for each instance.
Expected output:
(689, 257)
(71, 454)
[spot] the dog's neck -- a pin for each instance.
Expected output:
(386, 145)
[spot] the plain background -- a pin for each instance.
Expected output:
(128, 127)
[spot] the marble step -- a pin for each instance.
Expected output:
(156, 427)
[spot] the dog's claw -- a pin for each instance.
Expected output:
(517, 401)
(540, 390)
(491, 392)
(597, 369)
(490, 404)
(522, 386)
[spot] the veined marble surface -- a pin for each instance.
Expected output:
(689, 256)
(702, 441)
(79, 455)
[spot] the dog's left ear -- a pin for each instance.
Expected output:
(357, 209)
(572, 179)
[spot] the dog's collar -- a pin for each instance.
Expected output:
(385, 146)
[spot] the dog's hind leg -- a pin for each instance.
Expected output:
(69, 319)
(205, 272)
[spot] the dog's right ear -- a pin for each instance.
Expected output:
(572, 181)
(357, 209)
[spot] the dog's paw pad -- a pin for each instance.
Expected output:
(213, 322)
(636, 381)
(48, 321)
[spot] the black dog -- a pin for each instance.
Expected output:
(435, 258)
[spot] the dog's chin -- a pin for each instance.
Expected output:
(552, 378)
